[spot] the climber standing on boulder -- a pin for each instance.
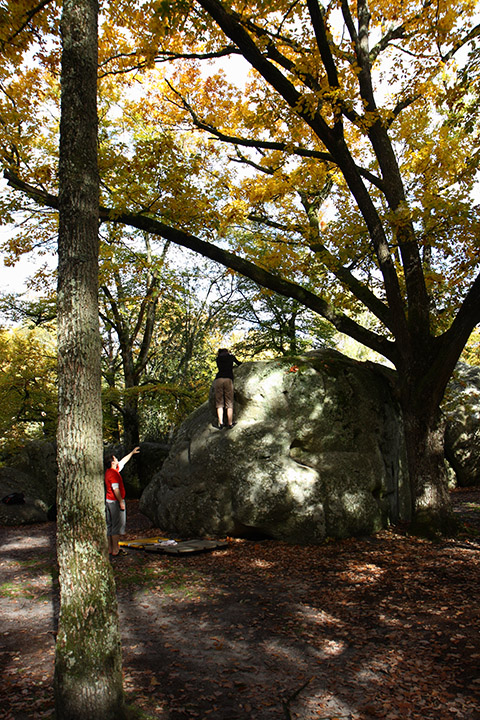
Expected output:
(223, 387)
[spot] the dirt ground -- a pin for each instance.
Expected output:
(379, 627)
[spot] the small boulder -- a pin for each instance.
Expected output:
(37, 460)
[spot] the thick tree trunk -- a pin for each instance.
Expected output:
(431, 507)
(131, 434)
(424, 439)
(131, 422)
(88, 679)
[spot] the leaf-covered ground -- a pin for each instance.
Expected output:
(380, 627)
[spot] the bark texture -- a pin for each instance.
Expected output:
(88, 681)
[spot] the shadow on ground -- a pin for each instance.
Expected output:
(381, 627)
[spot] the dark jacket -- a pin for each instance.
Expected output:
(225, 365)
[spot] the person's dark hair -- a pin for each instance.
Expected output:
(223, 351)
(108, 461)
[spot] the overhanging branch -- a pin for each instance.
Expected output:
(244, 267)
(289, 148)
(29, 15)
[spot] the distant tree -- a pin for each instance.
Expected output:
(28, 385)
(274, 324)
(40, 312)
(157, 320)
(179, 373)
(129, 296)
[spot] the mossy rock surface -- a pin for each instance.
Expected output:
(317, 451)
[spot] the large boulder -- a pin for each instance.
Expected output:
(461, 407)
(317, 452)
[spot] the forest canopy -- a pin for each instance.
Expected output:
(191, 133)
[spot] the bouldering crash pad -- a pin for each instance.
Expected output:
(173, 547)
(186, 546)
(140, 543)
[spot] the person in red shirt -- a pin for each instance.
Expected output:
(115, 508)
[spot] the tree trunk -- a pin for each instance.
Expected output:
(131, 433)
(131, 422)
(88, 679)
(133, 473)
(424, 430)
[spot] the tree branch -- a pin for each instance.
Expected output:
(271, 145)
(29, 15)
(417, 296)
(317, 15)
(230, 260)
(259, 275)
(337, 147)
(342, 273)
(164, 57)
(455, 338)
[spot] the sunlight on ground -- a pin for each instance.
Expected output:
(317, 616)
(21, 542)
(259, 563)
(322, 704)
(367, 573)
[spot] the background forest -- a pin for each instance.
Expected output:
(162, 320)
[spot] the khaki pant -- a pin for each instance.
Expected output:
(223, 392)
